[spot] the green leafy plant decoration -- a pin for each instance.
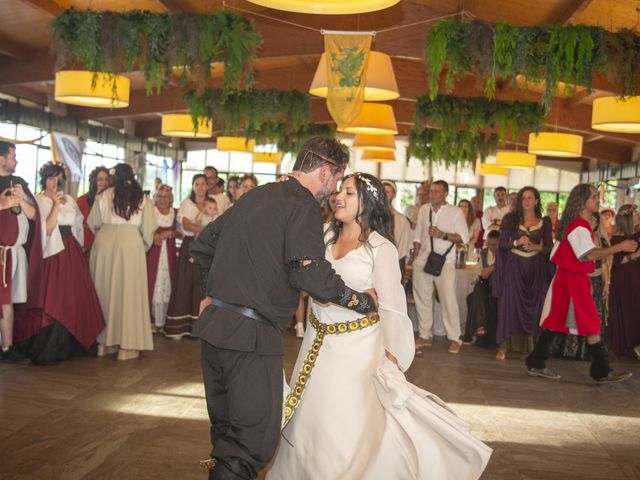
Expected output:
(454, 130)
(156, 43)
(571, 54)
(268, 116)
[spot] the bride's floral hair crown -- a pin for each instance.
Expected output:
(367, 181)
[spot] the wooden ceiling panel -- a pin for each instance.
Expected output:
(119, 5)
(610, 14)
(24, 24)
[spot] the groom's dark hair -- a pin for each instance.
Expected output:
(318, 151)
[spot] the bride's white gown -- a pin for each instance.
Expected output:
(354, 416)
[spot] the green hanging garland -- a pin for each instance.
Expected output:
(156, 43)
(454, 130)
(551, 53)
(268, 116)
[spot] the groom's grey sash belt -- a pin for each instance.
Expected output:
(321, 329)
(244, 311)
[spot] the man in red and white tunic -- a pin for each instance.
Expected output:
(569, 306)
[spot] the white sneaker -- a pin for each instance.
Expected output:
(299, 330)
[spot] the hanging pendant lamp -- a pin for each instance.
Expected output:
(492, 169)
(555, 144)
(378, 156)
(380, 85)
(235, 144)
(267, 157)
(380, 143)
(181, 125)
(374, 119)
(614, 114)
(77, 87)
(512, 159)
(327, 7)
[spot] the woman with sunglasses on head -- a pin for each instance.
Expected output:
(161, 257)
(351, 413)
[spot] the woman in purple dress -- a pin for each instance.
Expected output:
(522, 274)
(624, 301)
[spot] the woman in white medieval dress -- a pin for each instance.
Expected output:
(351, 414)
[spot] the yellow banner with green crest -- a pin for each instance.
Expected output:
(346, 57)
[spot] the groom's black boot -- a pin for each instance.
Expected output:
(232, 468)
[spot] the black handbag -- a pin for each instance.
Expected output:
(435, 261)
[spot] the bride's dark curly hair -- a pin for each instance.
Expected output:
(376, 215)
(127, 192)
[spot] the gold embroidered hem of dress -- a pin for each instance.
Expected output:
(322, 329)
(522, 253)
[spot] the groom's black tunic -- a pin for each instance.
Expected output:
(261, 248)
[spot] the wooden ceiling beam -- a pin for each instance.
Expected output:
(171, 6)
(575, 8)
(51, 7)
(13, 50)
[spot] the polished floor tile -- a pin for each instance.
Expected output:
(98, 418)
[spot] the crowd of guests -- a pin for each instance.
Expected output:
(516, 271)
(74, 271)
(117, 244)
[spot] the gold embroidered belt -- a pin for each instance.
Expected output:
(5, 250)
(322, 329)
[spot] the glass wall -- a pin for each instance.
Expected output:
(228, 164)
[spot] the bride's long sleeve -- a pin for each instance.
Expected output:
(396, 325)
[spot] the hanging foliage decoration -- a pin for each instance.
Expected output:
(156, 43)
(454, 130)
(268, 116)
(572, 54)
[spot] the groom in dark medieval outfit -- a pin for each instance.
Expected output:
(257, 257)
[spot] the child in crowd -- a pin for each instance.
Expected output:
(209, 213)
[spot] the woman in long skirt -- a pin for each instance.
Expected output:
(124, 222)
(624, 301)
(185, 292)
(523, 272)
(161, 257)
(70, 318)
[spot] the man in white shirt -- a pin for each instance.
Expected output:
(401, 226)
(446, 227)
(213, 190)
(492, 217)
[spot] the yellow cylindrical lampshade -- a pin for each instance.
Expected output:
(327, 7)
(181, 125)
(555, 144)
(380, 84)
(374, 119)
(267, 157)
(378, 143)
(492, 169)
(75, 88)
(378, 156)
(613, 114)
(515, 159)
(235, 144)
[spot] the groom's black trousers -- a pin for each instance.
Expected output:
(244, 401)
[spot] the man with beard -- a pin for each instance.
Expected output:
(17, 207)
(255, 260)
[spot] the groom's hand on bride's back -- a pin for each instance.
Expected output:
(374, 295)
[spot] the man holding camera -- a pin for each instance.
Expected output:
(17, 207)
(440, 226)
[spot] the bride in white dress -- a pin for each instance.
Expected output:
(351, 414)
